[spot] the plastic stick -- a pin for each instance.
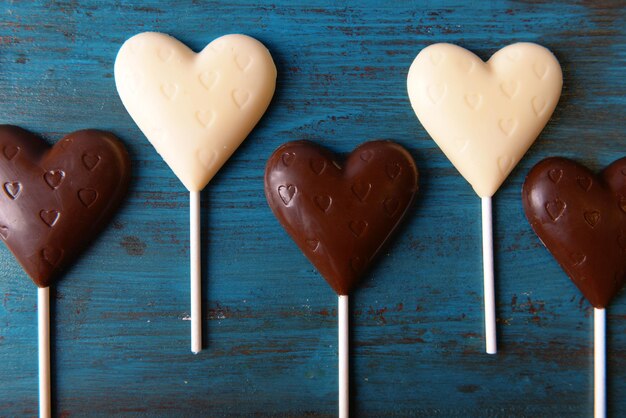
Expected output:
(344, 360)
(194, 253)
(43, 320)
(599, 357)
(489, 291)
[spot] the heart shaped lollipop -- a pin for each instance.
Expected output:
(341, 217)
(484, 116)
(195, 109)
(53, 202)
(581, 219)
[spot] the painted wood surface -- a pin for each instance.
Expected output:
(120, 328)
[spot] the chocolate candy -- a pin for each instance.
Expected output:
(195, 109)
(484, 115)
(340, 217)
(581, 219)
(54, 200)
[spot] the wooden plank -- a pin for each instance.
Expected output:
(120, 335)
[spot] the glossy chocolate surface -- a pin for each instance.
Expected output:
(581, 218)
(54, 200)
(340, 216)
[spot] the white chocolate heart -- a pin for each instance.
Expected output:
(195, 109)
(484, 116)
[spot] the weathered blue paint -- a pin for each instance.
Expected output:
(121, 344)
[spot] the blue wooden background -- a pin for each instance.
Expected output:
(121, 334)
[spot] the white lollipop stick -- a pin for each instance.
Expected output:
(344, 359)
(194, 255)
(43, 318)
(490, 298)
(599, 356)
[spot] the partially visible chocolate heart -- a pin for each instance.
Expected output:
(56, 199)
(340, 217)
(581, 219)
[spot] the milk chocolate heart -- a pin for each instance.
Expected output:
(340, 217)
(581, 219)
(54, 200)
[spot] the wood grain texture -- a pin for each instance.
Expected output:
(120, 329)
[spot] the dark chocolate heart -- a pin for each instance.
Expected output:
(55, 200)
(340, 217)
(581, 219)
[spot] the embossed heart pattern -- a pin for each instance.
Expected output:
(195, 109)
(340, 216)
(54, 200)
(581, 219)
(484, 116)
